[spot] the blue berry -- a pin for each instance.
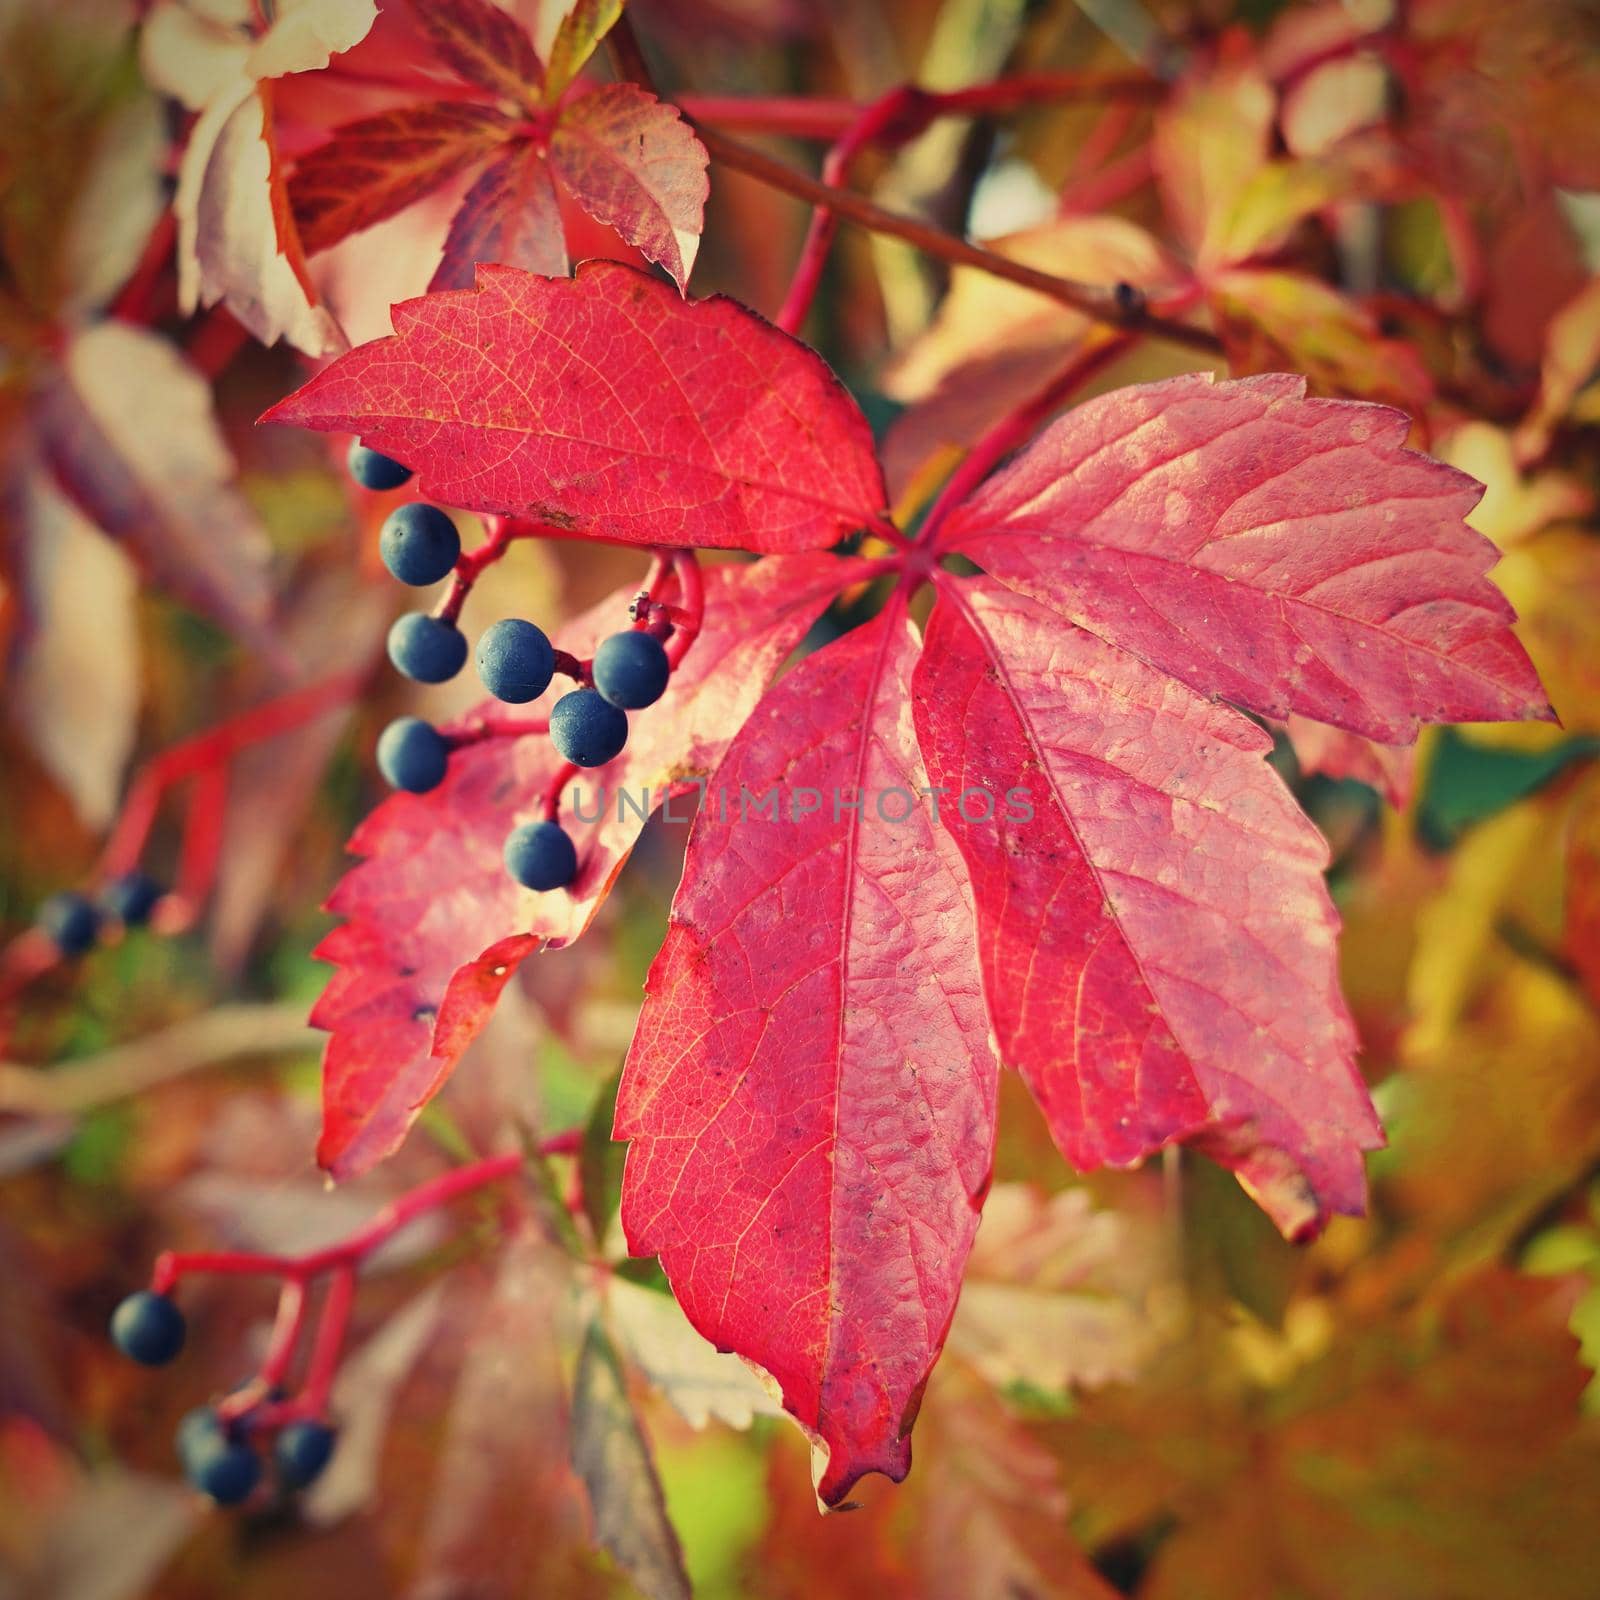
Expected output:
(419, 544)
(631, 669)
(426, 649)
(148, 1328)
(301, 1451)
(374, 471)
(539, 855)
(227, 1470)
(131, 898)
(515, 660)
(70, 921)
(412, 755)
(586, 729)
(200, 1431)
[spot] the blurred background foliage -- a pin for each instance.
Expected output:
(1146, 1391)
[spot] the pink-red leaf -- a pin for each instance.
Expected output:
(607, 404)
(435, 925)
(634, 163)
(1283, 553)
(510, 215)
(378, 166)
(1158, 947)
(810, 1093)
(486, 45)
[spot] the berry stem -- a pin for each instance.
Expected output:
(286, 1328)
(478, 729)
(502, 532)
(550, 805)
(171, 1267)
(1017, 426)
(329, 1342)
(688, 618)
(571, 666)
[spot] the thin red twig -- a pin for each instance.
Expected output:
(212, 748)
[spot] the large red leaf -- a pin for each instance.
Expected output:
(607, 405)
(634, 163)
(810, 1093)
(374, 168)
(1284, 553)
(1158, 947)
(435, 925)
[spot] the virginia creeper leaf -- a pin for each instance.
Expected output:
(378, 166)
(810, 1093)
(510, 215)
(435, 925)
(236, 237)
(165, 492)
(577, 38)
(486, 46)
(1284, 553)
(607, 405)
(73, 667)
(610, 1454)
(1156, 939)
(634, 163)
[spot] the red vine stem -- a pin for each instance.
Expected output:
(805, 118)
(210, 749)
(1018, 426)
(899, 115)
(203, 830)
(1100, 302)
(172, 1267)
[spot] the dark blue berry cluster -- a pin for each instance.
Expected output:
(219, 1454)
(516, 663)
(74, 923)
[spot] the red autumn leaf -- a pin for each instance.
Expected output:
(810, 1093)
(435, 925)
(511, 215)
(1283, 553)
(478, 40)
(1157, 943)
(374, 168)
(634, 163)
(628, 159)
(607, 405)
